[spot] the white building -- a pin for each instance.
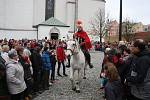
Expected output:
(20, 18)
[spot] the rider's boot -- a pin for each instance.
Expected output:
(91, 65)
(68, 65)
(88, 58)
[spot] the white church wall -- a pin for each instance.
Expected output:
(38, 11)
(60, 10)
(2, 13)
(44, 31)
(63, 32)
(19, 14)
(18, 34)
(87, 9)
(70, 16)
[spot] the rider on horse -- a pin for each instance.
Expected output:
(84, 42)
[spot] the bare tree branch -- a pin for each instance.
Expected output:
(99, 25)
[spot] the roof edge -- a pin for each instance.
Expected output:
(53, 25)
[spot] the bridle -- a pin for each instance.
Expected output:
(72, 51)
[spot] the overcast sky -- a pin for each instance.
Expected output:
(135, 10)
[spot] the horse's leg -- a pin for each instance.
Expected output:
(84, 72)
(72, 78)
(84, 77)
(78, 82)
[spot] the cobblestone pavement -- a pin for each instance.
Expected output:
(61, 89)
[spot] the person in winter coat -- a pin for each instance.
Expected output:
(53, 64)
(36, 61)
(113, 88)
(61, 58)
(139, 75)
(4, 53)
(25, 62)
(46, 66)
(15, 76)
(4, 94)
(123, 70)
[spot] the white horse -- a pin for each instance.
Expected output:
(77, 64)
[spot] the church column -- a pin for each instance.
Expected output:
(71, 14)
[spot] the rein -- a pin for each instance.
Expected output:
(72, 52)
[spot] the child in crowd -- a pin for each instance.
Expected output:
(103, 78)
(113, 88)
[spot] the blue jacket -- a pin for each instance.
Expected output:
(46, 60)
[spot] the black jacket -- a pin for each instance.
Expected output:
(3, 83)
(26, 67)
(139, 76)
(36, 60)
(139, 67)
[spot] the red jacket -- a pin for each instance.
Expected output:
(60, 54)
(87, 43)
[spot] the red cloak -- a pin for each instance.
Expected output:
(87, 43)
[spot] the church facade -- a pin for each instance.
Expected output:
(21, 18)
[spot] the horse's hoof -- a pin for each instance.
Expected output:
(77, 91)
(74, 88)
(84, 77)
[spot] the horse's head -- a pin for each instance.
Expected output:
(73, 47)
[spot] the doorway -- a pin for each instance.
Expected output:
(54, 36)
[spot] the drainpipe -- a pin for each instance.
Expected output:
(37, 33)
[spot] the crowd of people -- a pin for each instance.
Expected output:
(125, 73)
(25, 67)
